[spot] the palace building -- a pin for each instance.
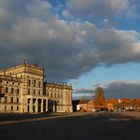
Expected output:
(23, 90)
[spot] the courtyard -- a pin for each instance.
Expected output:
(71, 126)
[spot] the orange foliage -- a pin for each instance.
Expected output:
(112, 101)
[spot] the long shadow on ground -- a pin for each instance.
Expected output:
(96, 126)
(25, 116)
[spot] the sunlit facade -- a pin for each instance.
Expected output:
(22, 90)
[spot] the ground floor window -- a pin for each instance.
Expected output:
(11, 108)
(5, 108)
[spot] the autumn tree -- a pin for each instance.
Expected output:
(136, 104)
(99, 98)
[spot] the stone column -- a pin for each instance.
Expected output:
(36, 105)
(41, 105)
(31, 105)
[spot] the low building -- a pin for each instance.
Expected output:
(83, 105)
(90, 106)
(110, 107)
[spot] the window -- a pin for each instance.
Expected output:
(34, 100)
(17, 108)
(34, 83)
(6, 89)
(17, 100)
(5, 108)
(17, 91)
(39, 92)
(5, 99)
(29, 82)
(28, 101)
(39, 84)
(28, 91)
(11, 99)
(11, 108)
(34, 91)
(12, 90)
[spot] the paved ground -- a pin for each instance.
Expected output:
(77, 126)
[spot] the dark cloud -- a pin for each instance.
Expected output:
(120, 89)
(66, 48)
(83, 96)
(84, 91)
(113, 89)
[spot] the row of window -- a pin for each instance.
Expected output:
(54, 95)
(12, 108)
(34, 92)
(9, 82)
(11, 90)
(54, 89)
(34, 83)
(11, 100)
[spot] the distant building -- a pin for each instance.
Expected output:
(90, 106)
(22, 90)
(110, 107)
(85, 105)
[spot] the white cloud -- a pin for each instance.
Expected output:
(39, 8)
(66, 13)
(118, 46)
(101, 8)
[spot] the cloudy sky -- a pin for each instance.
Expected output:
(88, 43)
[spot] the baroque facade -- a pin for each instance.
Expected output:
(22, 90)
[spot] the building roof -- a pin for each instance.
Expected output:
(58, 85)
